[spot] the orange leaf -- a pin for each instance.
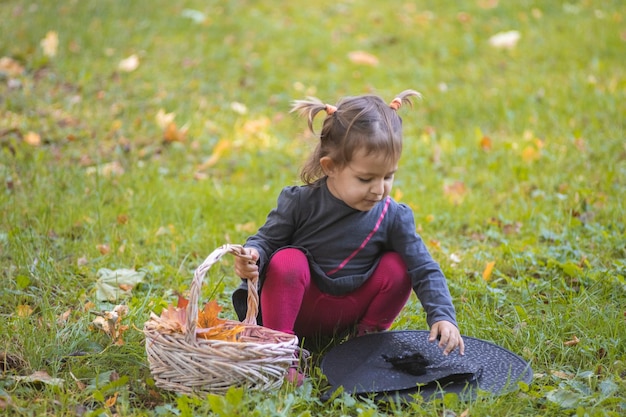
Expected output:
(488, 270)
(103, 249)
(485, 143)
(172, 133)
(221, 332)
(110, 402)
(172, 320)
(207, 318)
(182, 302)
(220, 148)
(530, 154)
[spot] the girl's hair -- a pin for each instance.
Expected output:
(355, 123)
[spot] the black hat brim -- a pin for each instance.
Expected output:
(365, 366)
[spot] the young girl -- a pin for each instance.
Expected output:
(339, 252)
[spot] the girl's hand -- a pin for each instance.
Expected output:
(448, 335)
(245, 266)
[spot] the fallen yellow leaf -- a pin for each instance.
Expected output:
(110, 402)
(50, 44)
(24, 310)
(363, 58)
(530, 154)
(32, 138)
(220, 148)
(488, 270)
(129, 64)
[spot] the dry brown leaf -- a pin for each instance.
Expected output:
(64, 316)
(10, 67)
(562, 374)
(455, 192)
(172, 133)
(220, 332)
(572, 342)
(209, 325)
(103, 249)
(363, 58)
(32, 138)
(172, 320)
(110, 323)
(40, 377)
(182, 302)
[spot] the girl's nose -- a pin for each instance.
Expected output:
(378, 187)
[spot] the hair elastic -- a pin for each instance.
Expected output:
(396, 103)
(330, 109)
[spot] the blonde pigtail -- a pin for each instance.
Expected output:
(310, 107)
(404, 98)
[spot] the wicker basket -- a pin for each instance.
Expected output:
(183, 363)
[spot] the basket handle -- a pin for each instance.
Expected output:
(196, 285)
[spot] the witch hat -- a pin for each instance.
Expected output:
(404, 363)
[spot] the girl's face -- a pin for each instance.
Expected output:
(363, 182)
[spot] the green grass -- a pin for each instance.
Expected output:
(545, 199)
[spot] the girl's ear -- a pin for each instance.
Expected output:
(328, 166)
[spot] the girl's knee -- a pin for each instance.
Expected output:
(289, 264)
(394, 272)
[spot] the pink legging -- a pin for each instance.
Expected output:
(292, 303)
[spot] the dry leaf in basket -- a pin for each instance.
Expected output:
(171, 320)
(209, 325)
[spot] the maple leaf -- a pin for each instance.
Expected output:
(182, 302)
(221, 332)
(114, 284)
(163, 119)
(172, 133)
(172, 320)
(207, 318)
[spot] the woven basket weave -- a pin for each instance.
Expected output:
(183, 363)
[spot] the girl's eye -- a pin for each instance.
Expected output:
(364, 180)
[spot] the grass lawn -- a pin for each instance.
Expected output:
(141, 135)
